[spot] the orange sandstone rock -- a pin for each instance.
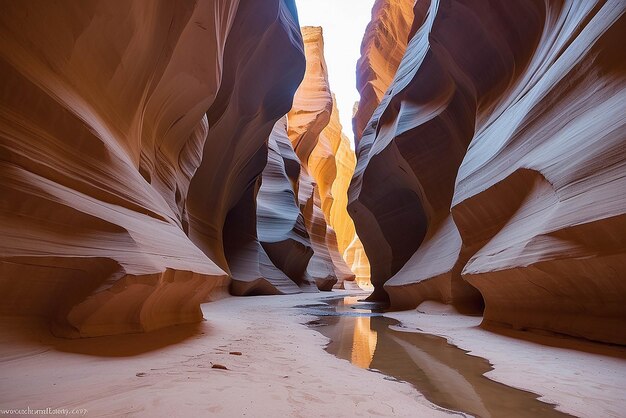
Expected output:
(382, 49)
(313, 103)
(104, 156)
(327, 165)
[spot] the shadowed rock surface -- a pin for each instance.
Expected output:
(497, 158)
(280, 226)
(262, 68)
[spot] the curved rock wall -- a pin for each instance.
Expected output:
(545, 175)
(106, 152)
(382, 49)
(262, 68)
(331, 164)
(313, 103)
(497, 159)
(327, 165)
(280, 225)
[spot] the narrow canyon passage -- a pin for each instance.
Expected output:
(197, 198)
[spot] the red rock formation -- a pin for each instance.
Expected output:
(103, 126)
(331, 164)
(327, 164)
(541, 193)
(312, 104)
(512, 115)
(307, 119)
(382, 49)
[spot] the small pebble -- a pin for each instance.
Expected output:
(219, 366)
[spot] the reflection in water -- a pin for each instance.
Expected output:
(355, 340)
(363, 337)
(363, 342)
(445, 374)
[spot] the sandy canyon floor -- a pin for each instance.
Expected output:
(277, 367)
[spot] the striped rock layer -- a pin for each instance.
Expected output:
(494, 168)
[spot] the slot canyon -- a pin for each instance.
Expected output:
(192, 226)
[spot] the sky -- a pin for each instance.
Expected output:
(343, 23)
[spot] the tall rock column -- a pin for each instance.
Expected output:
(348, 243)
(331, 164)
(315, 133)
(280, 224)
(263, 66)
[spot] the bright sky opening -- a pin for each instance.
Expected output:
(343, 23)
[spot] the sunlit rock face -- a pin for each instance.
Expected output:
(357, 260)
(348, 242)
(327, 165)
(108, 159)
(313, 102)
(331, 164)
(382, 49)
(497, 159)
(307, 119)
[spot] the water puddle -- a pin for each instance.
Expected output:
(445, 374)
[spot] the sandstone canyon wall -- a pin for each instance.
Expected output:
(327, 164)
(125, 129)
(308, 165)
(263, 66)
(382, 49)
(494, 167)
(281, 229)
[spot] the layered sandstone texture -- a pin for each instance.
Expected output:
(263, 66)
(280, 224)
(327, 164)
(109, 159)
(496, 163)
(382, 49)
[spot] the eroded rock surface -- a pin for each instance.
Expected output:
(327, 163)
(382, 49)
(108, 158)
(497, 158)
(262, 69)
(280, 224)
